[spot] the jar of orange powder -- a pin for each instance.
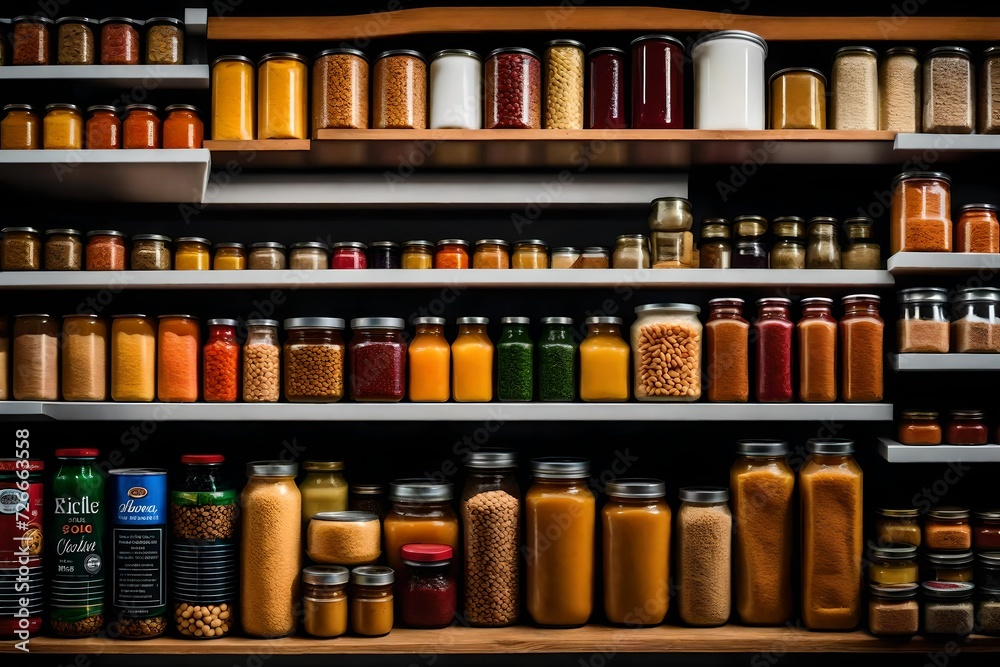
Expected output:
(978, 229)
(177, 359)
(221, 363)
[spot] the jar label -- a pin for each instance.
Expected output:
(78, 531)
(138, 579)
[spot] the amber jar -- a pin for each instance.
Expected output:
(565, 257)
(631, 252)
(103, 129)
(21, 249)
(418, 255)
(491, 254)
(193, 254)
(21, 129)
(105, 250)
(977, 229)
(229, 257)
(947, 529)
(62, 127)
(861, 334)
(63, 250)
(595, 257)
(141, 127)
(340, 90)
(966, 427)
(920, 212)
(530, 254)
(919, 428)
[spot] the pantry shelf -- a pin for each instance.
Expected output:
(945, 362)
(942, 263)
(188, 77)
(894, 452)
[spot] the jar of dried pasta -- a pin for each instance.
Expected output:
(564, 64)
(989, 92)
(120, 41)
(75, 39)
(399, 90)
(21, 249)
(920, 212)
(855, 89)
(63, 250)
(340, 90)
(164, 41)
(20, 129)
(30, 40)
(899, 90)
(949, 91)
(676, 327)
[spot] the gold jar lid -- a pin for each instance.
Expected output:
(715, 231)
(788, 226)
(749, 225)
(322, 466)
(672, 214)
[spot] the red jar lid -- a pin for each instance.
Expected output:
(426, 553)
(203, 459)
(76, 453)
(31, 465)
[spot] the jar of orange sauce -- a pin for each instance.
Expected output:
(183, 127)
(141, 128)
(421, 514)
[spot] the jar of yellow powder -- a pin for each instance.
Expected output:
(133, 358)
(283, 90)
(62, 128)
(193, 254)
(230, 257)
(344, 538)
(324, 600)
(233, 103)
(892, 564)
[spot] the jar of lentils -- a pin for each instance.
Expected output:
(63, 250)
(119, 41)
(513, 89)
(399, 91)
(164, 41)
(261, 362)
(564, 63)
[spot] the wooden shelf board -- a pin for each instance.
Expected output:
(258, 145)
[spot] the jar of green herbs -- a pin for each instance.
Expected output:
(515, 361)
(557, 360)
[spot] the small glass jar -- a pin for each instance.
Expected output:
(986, 533)
(133, 358)
(21, 249)
(103, 129)
(774, 332)
(340, 90)
(371, 600)
(399, 91)
(789, 248)
(367, 497)
(530, 254)
(861, 340)
(229, 257)
(949, 91)
(261, 362)
(923, 323)
(823, 251)
(989, 92)
(675, 325)
(715, 251)
(657, 83)
(141, 127)
(267, 256)
(233, 102)
(75, 40)
(919, 428)
(84, 358)
(966, 427)
(862, 251)
(854, 89)
(817, 349)
(565, 258)
(557, 366)
(119, 41)
(221, 362)
(948, 609)
(20, 129)
(595, 257)
(105, 250)
(63, 250)
(606, 89)
(798, 99)
(564, 65)
(515, 361)
(750, 251)
(177, 347)
(314, 360)
(35, 354)
(631, 252)
(472, 355)
(385, 255)
(309, 256)
(977, 229)
(456, 90)
(604, 361)
(452, 254)
(899, 88)
(282, 94)
(988, 570)
(513, 82)
(954, 566)
(164, 41)
(193, 254)
(341, 537)
(418, 255)
(893, 611)
(672, 250)
(897, 526)
(892, 564)
(182, 127)
(491, 254)
(324, 489)
(150, 252)
(30, 37)
(429, 356)
(429, 594)
(62, 127)
(947, 529)
(378, 360)
(324, 600)
(975, 324)
(988, 612)
(421, 512)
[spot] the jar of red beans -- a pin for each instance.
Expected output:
(119, 41)
(606, 93)
(105, 250)
(428, 591)
(221, 361)
(657, 83)
(773, 331)
(104, 130)
(966, 427)
(31, 40)
(349, 255)
(452, 254)
(378, 359)
(513, 89)
(141, 128)
(986, 533)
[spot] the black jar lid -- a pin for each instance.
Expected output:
(512, 49)
(658, 38)
(606, 49)
(761, 447)
(164, 20)
(282, 55)
(111, 20)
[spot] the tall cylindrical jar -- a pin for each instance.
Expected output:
(513, 89)
(430, 361)
(456, 90)
(133, 358)
(899, 89)
(949, 91)
(84, 358)
(727, 352)
(557, 366)
(4, 360)
(36, 358)
(282, 93)
(604, 361)
(861, 330)
(666, 352)
(234, 105)
(729, 81)
(657, 83)
(564, 85)
(773, 330)
(472, 355)
(178, 351)
(271, 549)
(854, 84)
(399, 91)
(704, 556)
(515, 361)
(340, 90)
(817, 342)
(261, 362)
(606, 89)
(988, 99)
(221, 362)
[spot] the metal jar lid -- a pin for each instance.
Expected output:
(271, 468)
(355, 245)
(788, 226)
(222, 322)
(988, 558)
(908, 513)
(461, 242)
(66, 232)
(232, 58)
(761, 447)
(557, 467)
(105, 232)
(891, 551)
(715, 230)
(565, 42)
(372, 575)
(102, 107)
(749, 225)
(177, 316)
(664, 206)
(823, 220)
(920, 175)
(159, 238)
(314, 323)
(676, 307)
(378, 323)
(918, 415)
(340, 52)
(25, 230)
(948, 590)
(438, 321)
(141, 107)
(512, 49)
(311, 245)
(346, 517)
(263, 323)
(499, 242)
(193, 239)
(417, 489)
(966, 414)
(855, 49)
(118, 317)
(794, 70)
(704, 494)
(976, 294)
(323, 466)
(774, 301)
(923, 295)
(816, 301)
(181, 107)
(595, 250)
(472, 320)
(565, 250)
(383, 244)
(949, 558)
(455, 52)
(854, 298)
(960, 51)
(600, 50)
(121, 19)
(835, 446)
(19, 107)
(894, 591)
(61, 106)
(948, 513)
(568, 321)
(658, 38)
(503, 459)
(515, 320)
(418, 244)
(331, 575)
(900, 51)
(537, 242)
(637, 488)
(977, 207)
(272, 245)
(732, 34)
(603, 320)
(401, 52)
(230, 244)
(988, 515)
(31, 19)
(731, 302)
(163, 20)
(367, 489)
(282, 55)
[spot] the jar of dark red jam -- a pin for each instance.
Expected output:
(378, 359)
(774, 330)
(429, 594)
(966, 427)
(606, 92)
(986, 531)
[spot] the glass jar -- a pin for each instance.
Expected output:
(897, 526)
(4, 359)
(182, 127)
(193, 254)
(975, 325)
(947, 529)
(309, 256)
(103, 129)
(324, 600)
(715, 251)
(133, 358)
(105, 250)
(421, 513)
(789, 248)
(35, 368)
(557, 360)
(164, 41)
(986, 534)
(949, 91)
(385, 255)
(530, 254)
(923, 324)
(150, 252)
(893, 611)
(233, 101)
(564, 65)
(798, 99)
(750, 251)
(595, 257)
(418, 255)
(282, 92)
(371, 600)
(324, 489)
(899, 88)
(491, 254)
(862, 251)
(965, 427)
(84, 351)
(141, 127)
(340, 90)
(515, 361)
(349, 255)
(565, 258)
(378, 360)
(429, 595)
(657, 83)
(178, 345)
(773, 331)
(75, 40)
(655, 325)
(513, 82)
(919, 428)
(229, 257)
(988, 570)
(988, 612)
(977, 229)
(120, 41)
(62, 127)
(20, 129)
(30, 37)
(261, 362)
(560, 513)
(854, 89)
(672, 250)
(727, 346)
(472, 362)
(267, 256)
(314, 360)
(456, 99)
(631, 252)
(452, 254)
(989, 92)
(430, 361)
(271, 549)
(21, 249)
(729, 81)
(604, 361)
(367, 497)
(948, 609)
(670, 214)
(399, 91)
(861, 333)
(221, 362)
(832, 543)
(63, 250)
(704, 556)
(920, 216)
(817, 343)
(892, 564)
(606, 89)
(636, 538)
(823, 251)
(948, 566)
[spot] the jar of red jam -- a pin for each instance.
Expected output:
(103, 130)
(349, 255)
(452, 254)
(773, 330)
(657, 83)
(966, 427)
(606, 93)
(986, 531)
(377, 359)
(919, 428)
(429, 594)
(141, 128)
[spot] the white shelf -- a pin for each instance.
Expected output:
(437, 278)
(946, 362)
(929, 263)
(974, 143)
(473, 412)
(113, 76)
(893, 452)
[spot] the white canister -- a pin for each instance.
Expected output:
(729, 83)
(456, 90)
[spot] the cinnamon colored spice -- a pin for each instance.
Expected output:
(923, 336)
(920, 215)
(817, 360)
(977, 230)
(862, 366)
(728, 352)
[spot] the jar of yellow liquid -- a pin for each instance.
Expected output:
(323, 489)
(324, 600)
(472, 356)
(282, 92)
(62, 127)
(604, 358)
(430, 361)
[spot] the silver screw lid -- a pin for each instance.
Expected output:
(331, 575)
(372, 575)
(272, 469)
(704, 494)
(830, 446)
(762, 447)
(491, 458)
(417, 489)
(637, 488)
(346, 517)
(556, 467)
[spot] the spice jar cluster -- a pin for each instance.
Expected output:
(934, 321)
(963, 427)
(921, 218)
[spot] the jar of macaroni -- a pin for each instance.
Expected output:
(164, 41)
(564, 85)
(399, 90)
(75, 40)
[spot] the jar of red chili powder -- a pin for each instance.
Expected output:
(986, 533)
(378, 359)
(221, 362)
(966, 427)
(119, 41)
(774, 331)
(349, 255)
(104, 130)
(141, 128)
(513, 89)
(428, 591)
(105, 250)
(182, 127)
(452, 254)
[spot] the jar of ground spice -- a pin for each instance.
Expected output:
(862, 251)
(164, 41)
(920, 212)
(234, 104)
(221, 362)
(977, 229)
(861, 333)
(105, 250)
(35, 367)
(141, 127)
(989, 92)
(84, 351)
(798, 99)
(513, 82)
(150, 252)
(314, 361)
(267, 256)
(817, 342)
(261, 362)
(21, 249)
(344, 538)
(919, 428)
(923, 323)
(378, 359)
(133, 358)
(893, 611)
(854, 89)
(727, 352)
(367, 497)
(949, 91)
(988, 570)
(947, 529)
(988, 611)
(399, 90)
(120, 41)
(340, 90)
(418, 255)
(890, 564)
(975, 325)
(31, 40)
(103, 129)
(282, 92)
(324, 600)
(966, 427)
(986, 534)
(897, 526)
(76, 43)
(428, 594)
(491, 254)
(309, 256)
(947, 566)
(63, 250)
(182, 127)
(899, 88)
(20, 129)
(948, 609)
(773, 330)
(823, 251)
(715, 251)
(704, 553)
(595, 257)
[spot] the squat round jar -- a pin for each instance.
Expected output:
(63, 250)
(309, 256)
(966, 427)
(21, 249)
(530, 254)
(229, 257)
(385, 255)
(20, 129)
(105, 250)
(150, 252)
(62, 128)
(267, 256)
(324, 600)
(349, 255)
(31, 40)
(418, 255)
(141, 127)
(977, 229)
(491, 254)
(919, 428)
(164, 41)
(120, 41)
(947, 529)
(193, 254)
(429, 592)
(986, 534)
(452, 254)
(513, 81)
(948, 609)
(75, 40)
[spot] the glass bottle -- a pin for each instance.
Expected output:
(21, 129)
(715, 251)
(862, 251)
(750, 251)
(823, 251)
(774, 330)
(221, 362)
(323, 489)
(261, 362)
(133, 358)
(177, 350)
(604, 361)
(789, 248)
(35, 354)
(817, 343)
(861, 330)
(429, 356)
(631, 252)
(472, 362)
(233, 102)
(557, 360)
(282, 94)
(515, 361)
(428, 593)
(606, 89)
(727, 352)
(84, 358)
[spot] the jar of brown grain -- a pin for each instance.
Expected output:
(63, 250)
(340, 90)
(399, 91)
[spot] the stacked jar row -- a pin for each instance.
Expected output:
(920, 217)
(924, 326)
(76, 40)
(963, 427)
(107, 127)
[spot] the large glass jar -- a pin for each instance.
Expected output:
(428, 593)
(282, 94)
(750, 251)
(862, 251)
(164, 41)
(513, 81)
(729, 81)
(267, 256)
(452, 254)
(892, 564)
(676, 326)
(557, 360)
(789, 248)
(989, 92)
(103, 128)
(977, 229)
(657, 83)
(604, 361)
(233, 103)
(636, 537)
(62, 127)
(899, 88)
(314, 360)
(917, 427)
(418, 255)
(491, 254)
(21, 249)
(182, 127)
(560, 515)
(606, 89)
(340, 90)
(309, 256)
(631, 252)
(861, 330)
(727, 350)
(975, 324)
(63, 250)
(35, 367)
(491, 520)
(20, 129)
(817, 343)
(324, 600)
(966, 427)
(854, 89)
(986, 533)
(893, 611)
(948, 529)
(221, 362)
(832, 542)
(949, 91)
(798, 99)
(349, 255)
(762, 485)
(773, 330)
(515, 361)
(399, 91)
(84, 358)
(948, 609)
(670, 214)
(472, 362)
(704, 556)
(897, 526)
(378, 360)
(261, 362)
(120, 41)
(141, 127)
(456, 99)
(421, 513)
(133, 358)
(823, 251)
(229, 257)
(564, 85)
(430, 361)
(150, 252)
(5, 359)
(323, 489)
(75, 40)
(105, 250)
(530, 254)
(715, 251)
(923, 323)
(271, 549)
(371, 600)
(193, 254)
(177, 351)
(30, 36)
